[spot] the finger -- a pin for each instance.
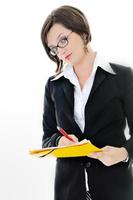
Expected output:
(68, 142)
(74, 138)
(92, 156)
(96, 155)
(64, 141)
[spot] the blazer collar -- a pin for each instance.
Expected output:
(99, 61)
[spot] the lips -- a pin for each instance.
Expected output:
(68, 56)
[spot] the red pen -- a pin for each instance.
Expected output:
(63, 132)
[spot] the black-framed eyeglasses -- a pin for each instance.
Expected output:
(63, 42)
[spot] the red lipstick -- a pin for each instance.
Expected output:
(68, 56)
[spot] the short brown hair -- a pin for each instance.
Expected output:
(71, 18)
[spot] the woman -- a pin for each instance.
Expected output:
(89, 98)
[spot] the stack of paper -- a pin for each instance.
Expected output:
(83, 148)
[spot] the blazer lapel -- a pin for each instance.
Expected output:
(99, 78)
(68, 89)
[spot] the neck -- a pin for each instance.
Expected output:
(84, 67)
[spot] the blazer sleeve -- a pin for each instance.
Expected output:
(50, 133)
(128, 108)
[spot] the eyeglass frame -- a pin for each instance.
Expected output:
(56, 47)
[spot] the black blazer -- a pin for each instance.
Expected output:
(109, 105)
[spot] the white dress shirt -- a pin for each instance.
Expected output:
(81, 96)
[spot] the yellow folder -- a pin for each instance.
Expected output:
(83, 148)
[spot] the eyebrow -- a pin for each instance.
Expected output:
(59, 36)
(56, 39)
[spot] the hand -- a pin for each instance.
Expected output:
(110, 155)
(63, 141)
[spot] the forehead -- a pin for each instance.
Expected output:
(55, 32)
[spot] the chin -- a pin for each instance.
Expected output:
(74, 61)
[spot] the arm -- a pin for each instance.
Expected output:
(51, 135)
(128, 108)
(112, 155)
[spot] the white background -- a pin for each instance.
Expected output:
(24, 69)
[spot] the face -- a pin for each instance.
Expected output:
(69, 45)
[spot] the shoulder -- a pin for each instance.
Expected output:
(54, 85)
(121, 69)
(124, 76)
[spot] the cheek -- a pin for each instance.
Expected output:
(76, 58)
(77, 48)
(78, 53)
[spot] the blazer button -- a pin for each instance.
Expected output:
(88, 164)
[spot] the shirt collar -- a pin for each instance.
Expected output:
(98, 62)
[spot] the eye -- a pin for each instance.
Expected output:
(63, 40)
